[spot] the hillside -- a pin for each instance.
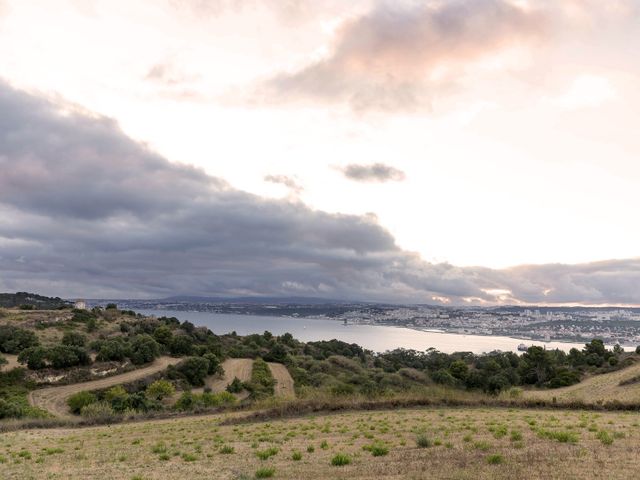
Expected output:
(597, 389)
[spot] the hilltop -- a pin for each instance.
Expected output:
(31, 301)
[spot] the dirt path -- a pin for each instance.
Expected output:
(284, 382)
(54, 399)
(13, 362)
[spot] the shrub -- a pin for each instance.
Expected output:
(262, 383)
(422, 441)
(235, 386)
(113, 349)
(189, 457)
(311, 449)
(160, 389)
(98, 411)
(15, 339)
(604, 437)
(64, 356)
(495, 459)
(296, 456)
(265, 472)
(378, 449)
(79, 400)
(340, 459)
(265, 454)
(159, 447)
(74, 339)
(187, 401)
(34, 357)
(227, 450)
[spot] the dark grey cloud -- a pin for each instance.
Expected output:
(288, 182)
(375, 172)
(86, 211)
(401, 54)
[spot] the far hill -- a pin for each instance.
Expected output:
(37, 302)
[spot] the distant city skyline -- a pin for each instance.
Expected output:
(457, 152)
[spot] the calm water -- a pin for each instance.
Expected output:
(372, 337)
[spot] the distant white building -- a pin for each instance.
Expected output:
(80, 305)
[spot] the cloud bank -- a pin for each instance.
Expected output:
(86, 211)
(400, 54)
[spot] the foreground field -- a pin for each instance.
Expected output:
(416, 444)
(597, 389)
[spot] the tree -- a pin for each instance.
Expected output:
(181, 345)
(113, 349)
(144, 349)
(64, 356)
(214, 364)
(163, 335)
(160, 389)
(536, 365)
(459, 369)
(194, 370)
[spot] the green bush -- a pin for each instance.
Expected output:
(296, 456)
(340, 459)
(267, 453)
(495, 459)
(160, 389)
(98, 411)
(236, 386)
(74, 339)
(15, 339)
(265, 472)
(79, 400)
(422, 441)
(144, 349)
(262, 382)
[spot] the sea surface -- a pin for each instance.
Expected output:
(378, 338)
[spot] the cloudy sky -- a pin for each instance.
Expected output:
(433, 151)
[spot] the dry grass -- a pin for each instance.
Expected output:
(478, 443)
(597, 389)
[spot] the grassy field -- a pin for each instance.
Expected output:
(597, 389)
(416, 444)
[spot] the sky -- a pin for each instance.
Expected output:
(435, 151)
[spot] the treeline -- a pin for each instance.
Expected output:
(497, 371)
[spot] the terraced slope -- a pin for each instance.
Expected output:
(54, 399)
(284, 382)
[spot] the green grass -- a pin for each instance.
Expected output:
(495, 459)
(265, 454)
(340, 459)
(265, 472)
